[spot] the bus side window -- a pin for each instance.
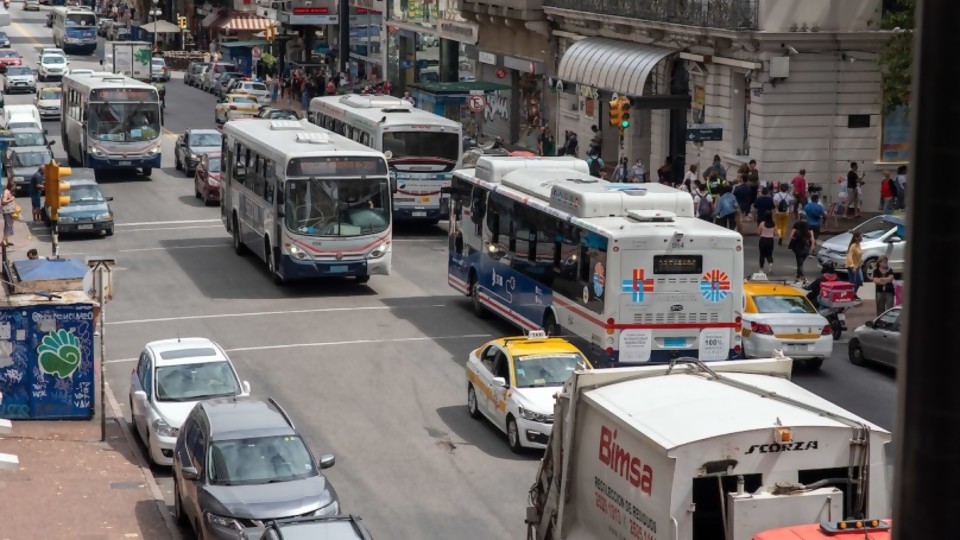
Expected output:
(270, 180)
(478, 208)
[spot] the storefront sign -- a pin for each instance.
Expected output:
(524, 66)
(373, 5)
(462, 31)
(487, 58)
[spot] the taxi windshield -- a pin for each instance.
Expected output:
(783, 303)
(539, 370)
(50, 93)
(244, 99)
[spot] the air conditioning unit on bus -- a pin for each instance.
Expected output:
(494, 168)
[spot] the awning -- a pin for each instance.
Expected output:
(246, 23)
(608, 64)
(212, 18)
(162, 27)
(249, 43)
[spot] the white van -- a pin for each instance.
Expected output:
(18, 112)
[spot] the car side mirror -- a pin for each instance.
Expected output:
(140, 394)
(45, 132)
(327, 461)
(109, 199)
(189, 473)
(894, 239)
(500, 382)
(245, 387)
(869, 324)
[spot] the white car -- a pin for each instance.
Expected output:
(778, 317)
(76, 72)
(513, 381)
(171, 377)
(257, 89)
(48, 102)
(19, 78)
(52, 50)
(52, 66)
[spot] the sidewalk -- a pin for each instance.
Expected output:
(69, 484)
(830, 227)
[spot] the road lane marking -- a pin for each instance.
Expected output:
(206, 246)
(177, 222)
(328, 344)
(175, 228)
(23, 30)
(263, 314)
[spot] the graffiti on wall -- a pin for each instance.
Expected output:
(498, 106)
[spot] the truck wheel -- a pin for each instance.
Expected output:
(513, 435)
(472, 406)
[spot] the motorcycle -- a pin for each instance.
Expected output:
(834, 312)
(474, 151)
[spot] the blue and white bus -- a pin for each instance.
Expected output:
(423, 148)
(110, 122)
(308, 202)
(624, 270)
(75, 30)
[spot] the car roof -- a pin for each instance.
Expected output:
(766, 288)
(203, 131)
(185, 351)
(231, 418)
(522, 345)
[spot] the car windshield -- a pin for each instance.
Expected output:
(244, 99)
(783, 303)
(214, 165)
(54, 60)
(255, 87)
(422, 144)
(194, 382)
(3, 35)
(19, 71)
(28, 139)
(157, 61)
(31, 159)
(282, 115)
(50, 93)
(348, 207)
(124, 122)
(537, 370)
(205, 139)
(8, 54)
(85, 194)
(875, 228)
(259, 460)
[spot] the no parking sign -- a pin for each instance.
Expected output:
(476, 103)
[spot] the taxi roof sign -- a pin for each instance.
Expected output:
(537, 334)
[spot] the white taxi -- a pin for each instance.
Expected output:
(778, 317)
(235, 106)
(513, 381)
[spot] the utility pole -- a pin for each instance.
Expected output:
(928, 407)
(343, 36)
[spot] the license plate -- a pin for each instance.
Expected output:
(124, 163)
(419, 214)
(85, 227)
(675, 343)
(798, 347)
(424, 200)
(338, 269)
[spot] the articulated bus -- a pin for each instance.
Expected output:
(308, 202)
(624, 270)
(110, 122)
(423, 149)
(75, 30)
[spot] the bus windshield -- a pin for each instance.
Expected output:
(342, 207)
(124, 122)
(422, 144)
(81, 19)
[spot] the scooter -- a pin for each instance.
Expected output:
(835, 314)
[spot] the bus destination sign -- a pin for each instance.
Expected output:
(124, 94)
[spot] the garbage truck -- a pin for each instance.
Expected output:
(130, 58)
(690, 451)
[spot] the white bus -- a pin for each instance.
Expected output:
(310, 203)
(75, 30)
(624, 270)
(423, 149)
(110, 122)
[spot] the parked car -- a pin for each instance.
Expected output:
(235, 106)
(224, 80)
(19, 79)
(882, 235)
(192, 144)
(191, 77)
(52, 66)
(21, 162)
(278, 114)
(8, 58)
(312, 527)
(206, 181)
(47, 102)
(239, 462)
(89, 210)
(877, 340)
(215, 69)
(158, 70)
(172, 376)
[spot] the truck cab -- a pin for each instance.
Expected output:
(854, 529)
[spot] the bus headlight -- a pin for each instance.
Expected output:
(154, 151)
(296, 252)
(95, 150)
(378, 251)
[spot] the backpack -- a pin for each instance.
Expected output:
(595, 167)
(783, 207)
(704, 207)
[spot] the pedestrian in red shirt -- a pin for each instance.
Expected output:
(799, 185)
(888, 193)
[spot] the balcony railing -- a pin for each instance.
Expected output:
(729, 14)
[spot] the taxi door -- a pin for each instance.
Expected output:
(483, 378)
(498, 399)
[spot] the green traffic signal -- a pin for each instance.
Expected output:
(625, 124)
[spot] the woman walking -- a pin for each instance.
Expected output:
(768, 231)
(8, 205)
(883, 278)
(801, 240)
(854, 262)
(782, 201)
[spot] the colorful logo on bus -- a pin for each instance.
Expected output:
(599, 280)
(715, 285)
(638, 285)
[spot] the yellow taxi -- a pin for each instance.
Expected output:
(234, 106)
(512, 381)
(778, 317)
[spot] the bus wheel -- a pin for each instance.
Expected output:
(238, 246)
(147, 171)
(550, 325)
(478, 308)
(272, 264)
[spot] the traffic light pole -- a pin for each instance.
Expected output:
(55, 239)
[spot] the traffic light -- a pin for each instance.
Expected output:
(182, 22)
(55, 188)
(270, 33)
(623, 114)
(615, 112)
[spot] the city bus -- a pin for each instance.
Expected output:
(308, 202)
(423, 149)
(110, 122)
(74, 30)
(624, 270)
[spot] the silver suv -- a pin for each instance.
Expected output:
(241, 461)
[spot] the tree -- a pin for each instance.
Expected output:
(896, 56)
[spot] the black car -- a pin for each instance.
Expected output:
(192, 145)
(21, 162)
(326, 527)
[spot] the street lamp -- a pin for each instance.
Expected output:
(155, 12)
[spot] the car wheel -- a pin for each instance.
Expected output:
(855, 351)
(238, 246)
(813, 363)
(362, 279)
(472, 406)
(109, 232)
(188, 173)
(478, 308)
(869, 266)
(176, 162)
(178, 505)
(147, 171)
(513, 435)
(836, 328)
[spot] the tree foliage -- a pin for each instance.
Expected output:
(896, 56)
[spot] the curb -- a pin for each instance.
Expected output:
(144, 466)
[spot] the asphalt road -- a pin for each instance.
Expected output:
(373, 373)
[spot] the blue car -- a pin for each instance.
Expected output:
(89, 210)
(4, 41)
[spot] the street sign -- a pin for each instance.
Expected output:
(704, 132)
(476, 92)
(476, 103)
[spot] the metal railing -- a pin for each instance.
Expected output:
(728, 14)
